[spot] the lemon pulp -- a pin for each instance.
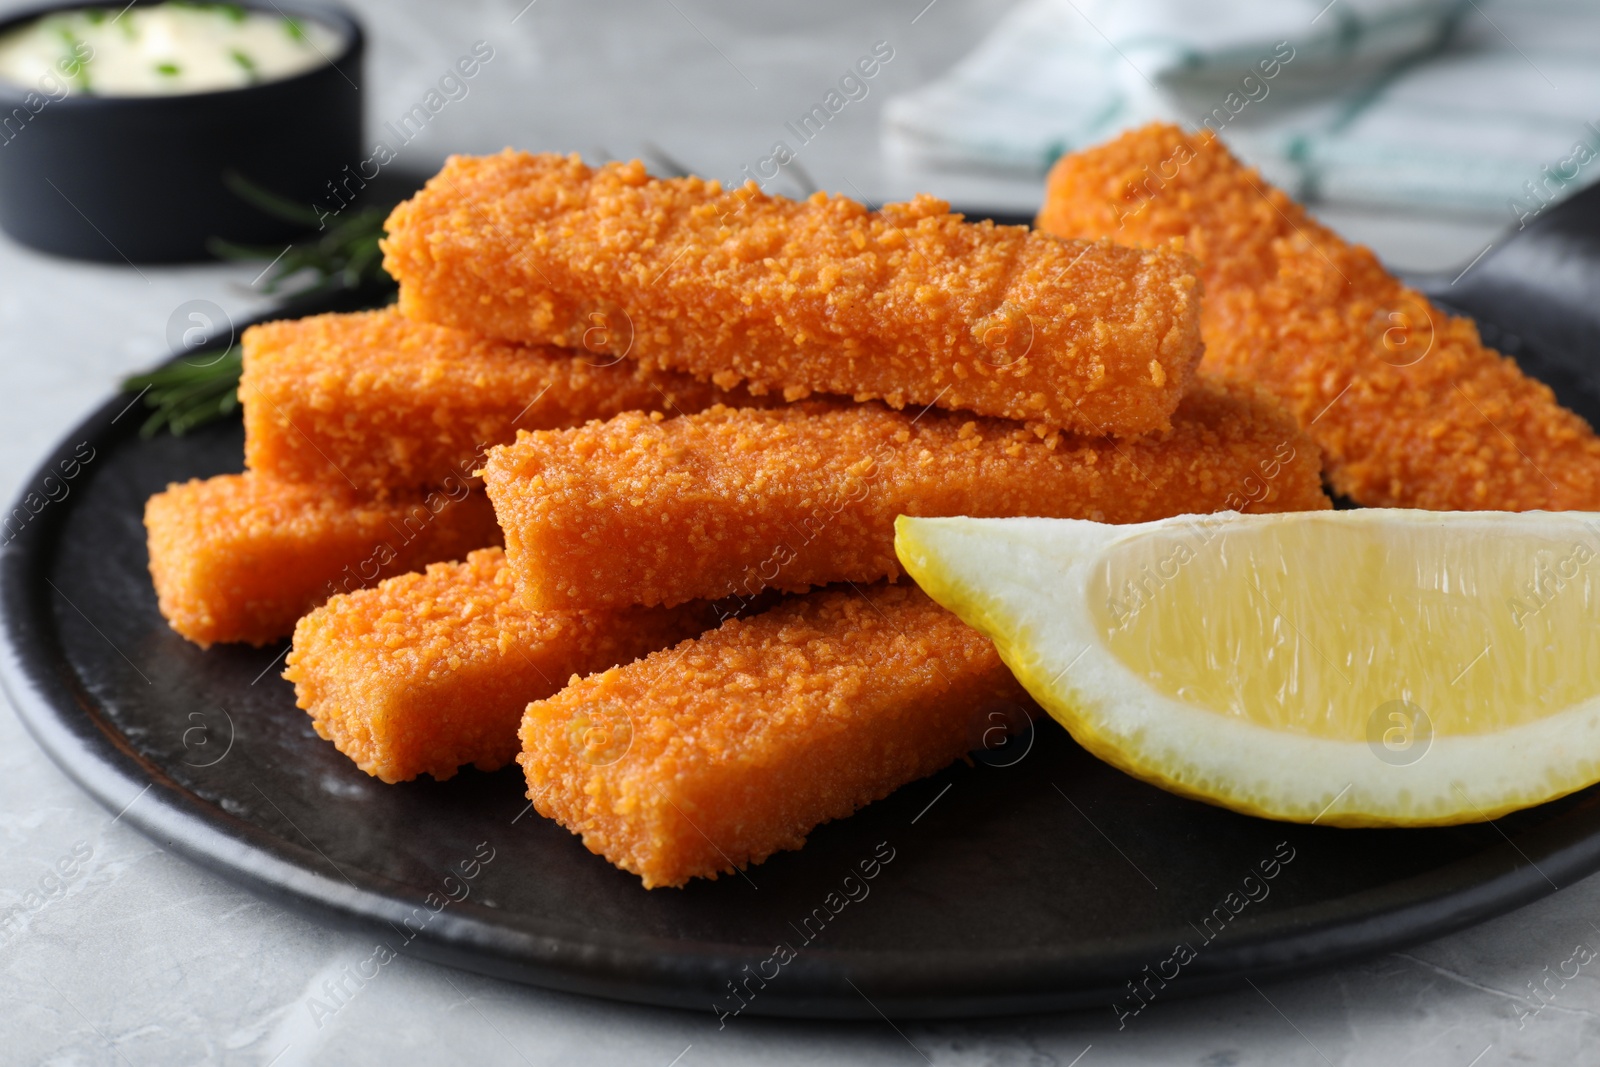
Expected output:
(1291, 629)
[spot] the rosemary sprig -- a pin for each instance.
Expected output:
(345, 257)
(268, 202)
(184, 396)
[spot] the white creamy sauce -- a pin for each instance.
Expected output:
(162, 49)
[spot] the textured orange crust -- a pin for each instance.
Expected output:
(1410, 407)
(910, 304)
(427, 673)
(727, 502)
(378, 402)
(240, 557)
(719, 752)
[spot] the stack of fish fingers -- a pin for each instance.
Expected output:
(690, 415)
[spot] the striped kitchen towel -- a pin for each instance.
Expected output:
(1479, 106)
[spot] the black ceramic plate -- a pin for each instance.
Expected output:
(1036, 878)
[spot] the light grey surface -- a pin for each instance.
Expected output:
(143, 959)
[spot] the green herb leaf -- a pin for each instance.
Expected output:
(169, 69)
(345, 256)
(190, 393)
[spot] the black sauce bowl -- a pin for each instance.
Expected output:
(153, 179)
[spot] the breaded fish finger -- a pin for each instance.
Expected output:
(240, 557)
(909, 304)
(728, 502)
(379, 402)
(1410, 407)
(713, 755)
(426, 673)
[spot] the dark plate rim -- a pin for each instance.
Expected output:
(1530, 863)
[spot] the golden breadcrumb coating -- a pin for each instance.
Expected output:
(910, 304)
(1410, 407)
(426, 673)
(715, 754)
(378, 402)
(727, 502)
(240, 557)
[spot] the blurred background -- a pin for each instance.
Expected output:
(1414, 126)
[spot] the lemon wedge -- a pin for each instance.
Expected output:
(1376, 667)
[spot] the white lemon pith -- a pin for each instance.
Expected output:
(1376, 667)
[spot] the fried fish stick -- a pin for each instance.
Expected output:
(240, 557)
(728, 502)
(1410, 407)
(426, 673)
(713, 755)
(380, 402)
(909, 304)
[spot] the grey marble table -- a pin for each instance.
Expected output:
(144, 959)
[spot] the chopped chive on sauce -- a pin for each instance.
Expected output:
(69, 64)
(76, 72)
(174, 46)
